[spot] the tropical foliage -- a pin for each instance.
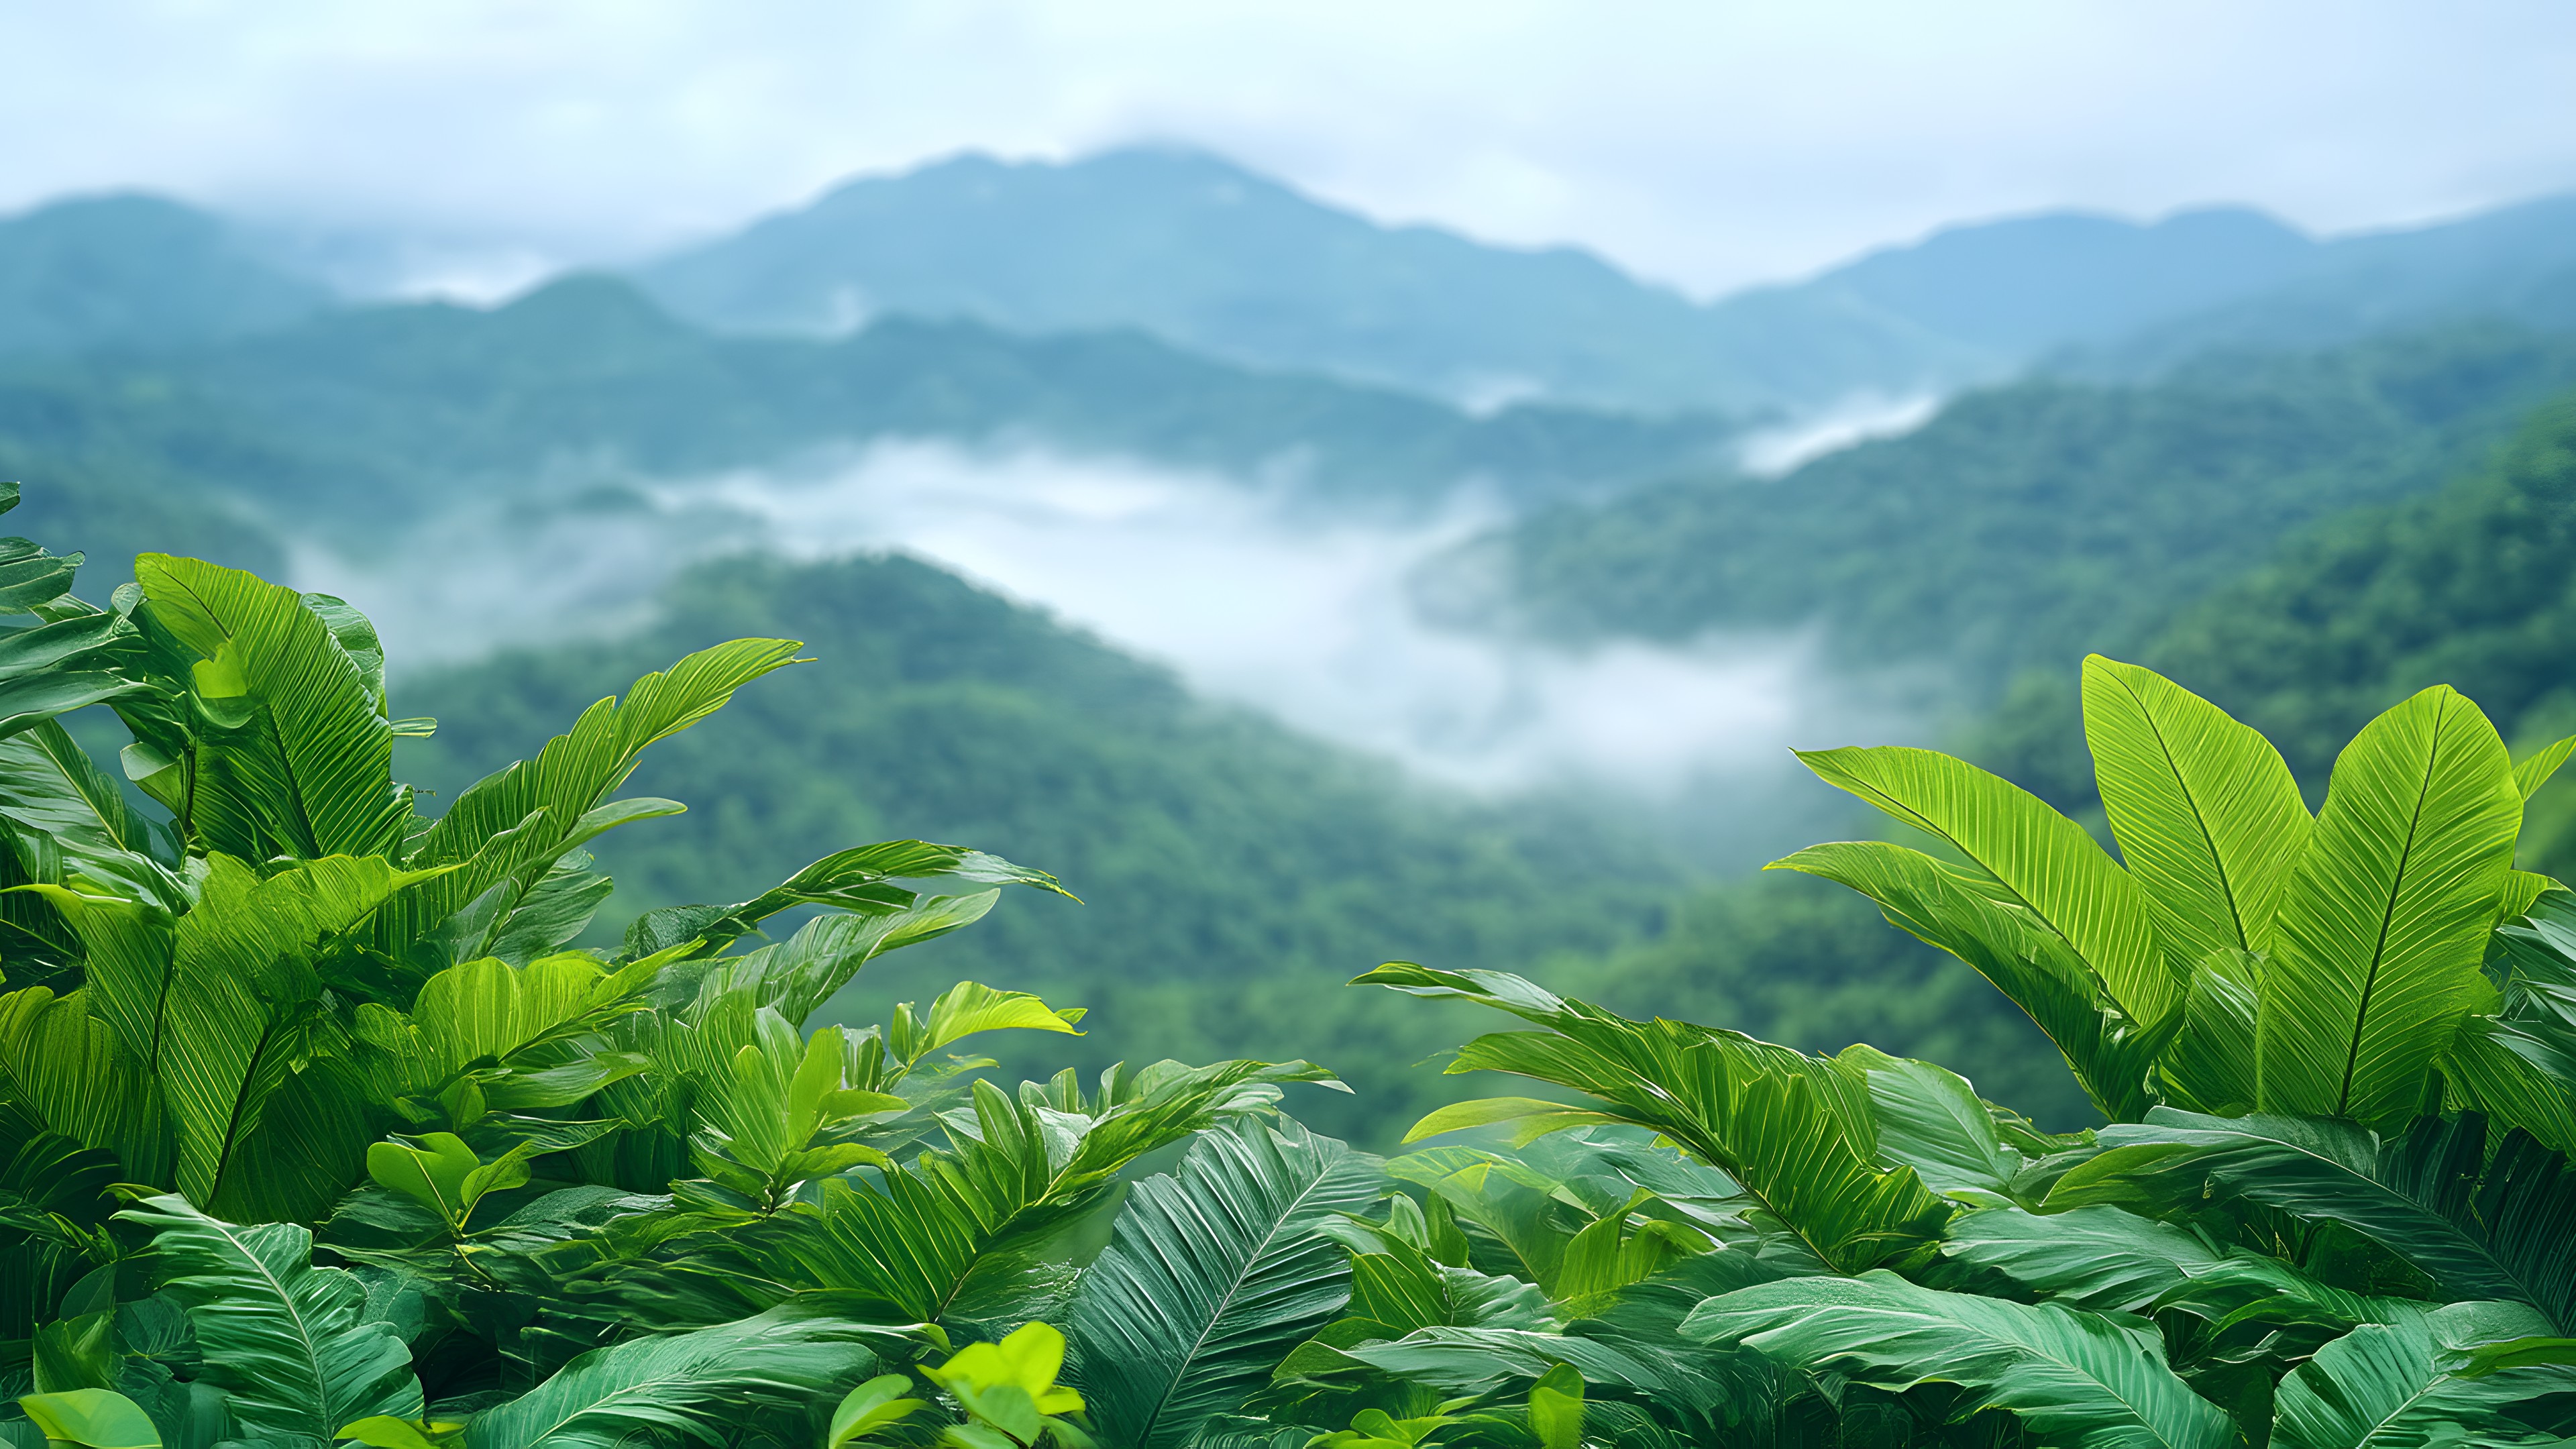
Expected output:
(318, 1130)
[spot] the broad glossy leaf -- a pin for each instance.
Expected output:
(234, 1014)
(797, 975)
(696, 1386)
(2210, 1065)
(1212, 1274)
(2532, 773)
(2046, 862)
(287, 1342)
(2097, 1257)
(514, 824)
(62, 1063)
(2380, 935)
(2208, 818)
(1932, 1120)
(296, 755)
(2515, 1078)
(880, 1403)
(910, 1246)
(30, 578)
(489, 1011)
(49, 785)
(1794, 1131)
(31, 701)
(970, 1007)
(552, 912)
(2382, 1386)
(2500, 1235)
(2071, 1377)
(93, 1419)
(2109, 1053)
(857, 879)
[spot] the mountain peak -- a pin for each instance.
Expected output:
(2026, 284)
(135, 270)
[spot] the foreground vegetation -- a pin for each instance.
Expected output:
(316, 1130)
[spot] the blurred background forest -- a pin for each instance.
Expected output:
(1309, 589)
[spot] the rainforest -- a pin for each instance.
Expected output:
(1076, 795)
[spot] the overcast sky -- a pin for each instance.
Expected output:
(1708, 144)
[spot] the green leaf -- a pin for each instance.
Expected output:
(2381, 1386)
(288, 1343)
(1556, 1408)
(2100, 1257)
(922, 1238)
(50, 786)
(234, 1019)
(970, 1007)
(2515, 1078)
(1211, 1275)
(1793, 1130)
(2109, 1053)
(35, 700)
(2071, 1377)
(857, 879)
(695, 1385)
(2210, 1065)
(92, 1418)
(797, 975)
(295, 753)
(441, 1173)
(514, 824)
(880, 1403)
(1933, 1121)
(2479, 1228)
(2534, 772)
(488, 1013)
(62, 1062)
(2380, 935)
(30, 577)
(2208, 819)
(2045, 862)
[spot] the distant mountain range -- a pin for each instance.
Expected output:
(1207, 257)
(1217, 258)
(137, 272)
(2026, 524)
(389, 410)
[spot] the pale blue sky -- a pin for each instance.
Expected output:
(1707, 144)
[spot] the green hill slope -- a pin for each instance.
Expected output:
(1221, 259)
(419, 400)
(132, 272)
(2473, 586)
(2024, 524)
(1233, 875)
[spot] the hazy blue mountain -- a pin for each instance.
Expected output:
(135, 272)
(376, 412)
(2026, 285)
(1216, 257)
(2517, 265)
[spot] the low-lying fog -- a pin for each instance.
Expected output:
(1249, 599)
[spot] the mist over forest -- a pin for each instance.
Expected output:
(1383, 534)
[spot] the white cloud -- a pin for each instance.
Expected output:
(1711, 144)
(1253, 600)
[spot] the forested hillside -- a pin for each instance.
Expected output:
(2473, 586)
(390, 409)
(136, 272)
(2023, 525)
(1232, 874)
